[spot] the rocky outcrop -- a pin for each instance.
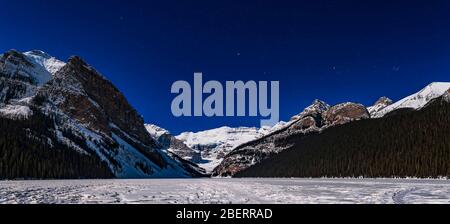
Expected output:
(446, 96)
(16, 81)
(344, 113)
(14, 64)
(320, 115)
(305, 123)
(379, 105)
(311, 118)
(11, 89)
(315, 110)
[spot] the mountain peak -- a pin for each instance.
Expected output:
(317, 107)
(13, 52)
(384, 101)
(319, 102)
(379, 105)
(76, 61)
(38, 53)
(435, 84)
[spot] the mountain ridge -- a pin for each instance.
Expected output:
(317, 120)
(87, 114)
(413, 143)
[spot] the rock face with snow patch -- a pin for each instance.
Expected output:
(21, 75)
(311, 118)
(446, 96)
(381, 103)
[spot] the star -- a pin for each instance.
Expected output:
(396, 68)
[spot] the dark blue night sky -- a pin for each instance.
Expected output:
(332, 50)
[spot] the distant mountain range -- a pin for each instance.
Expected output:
(65, 120)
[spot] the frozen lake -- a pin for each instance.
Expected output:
(171, 191)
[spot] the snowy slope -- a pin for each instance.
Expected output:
(35, 65)
(15, 111)
(416, 100)
(44, 60)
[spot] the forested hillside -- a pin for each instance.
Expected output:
(407, 143)
(24, 153)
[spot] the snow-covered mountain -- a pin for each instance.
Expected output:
(215, 144)
(89, 115)
(417, 100)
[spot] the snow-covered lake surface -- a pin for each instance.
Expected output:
(170, 191)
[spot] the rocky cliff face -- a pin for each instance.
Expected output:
(311, 118)
(83, 93)
(344, 113)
